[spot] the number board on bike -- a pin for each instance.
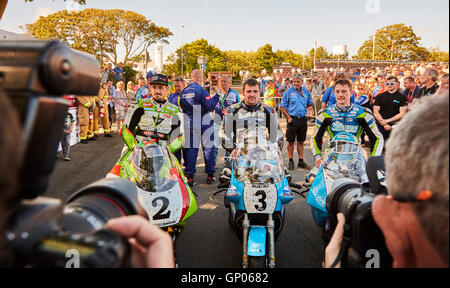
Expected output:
(260, 198)
(163, 208)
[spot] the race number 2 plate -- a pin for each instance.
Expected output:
(260, 198)
(164, 208)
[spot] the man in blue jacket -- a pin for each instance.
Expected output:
(228, 98)
(196, 103)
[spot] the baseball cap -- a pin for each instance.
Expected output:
(159, 79)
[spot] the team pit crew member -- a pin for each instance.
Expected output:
(345, 117)
(155, 116)
(294, 106)
(196, 103)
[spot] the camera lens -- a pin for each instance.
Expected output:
(341, 197)
(91, 208)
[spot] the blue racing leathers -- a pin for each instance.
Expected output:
(196, 103)
(353, 119)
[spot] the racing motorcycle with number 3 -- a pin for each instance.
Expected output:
(256, 197)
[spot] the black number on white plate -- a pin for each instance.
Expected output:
(165, 204)
(261, 201)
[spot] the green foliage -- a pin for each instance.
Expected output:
(129, 73)
(406, 45)
(289, 56)
(100, 32)
(438, 56)
(265, 58)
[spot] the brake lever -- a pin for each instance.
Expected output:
(301, 193)
(220, 191)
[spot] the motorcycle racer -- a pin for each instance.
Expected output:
(345, 117)
(154, 118)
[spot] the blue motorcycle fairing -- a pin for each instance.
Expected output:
(317, 198)
(256, 241)
(284, 193)
(317, 195)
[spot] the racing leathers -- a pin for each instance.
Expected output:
(353, 119)
(245, 124)
(250, 125)
(149, 118)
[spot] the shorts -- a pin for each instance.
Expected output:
(296, 130)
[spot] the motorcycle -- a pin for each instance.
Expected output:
(344, 158)
(163, 190)
(256, 197)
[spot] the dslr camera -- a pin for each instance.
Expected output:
(363, 240)
(44, 232)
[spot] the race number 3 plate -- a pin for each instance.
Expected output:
(260, 198)
(164, 208)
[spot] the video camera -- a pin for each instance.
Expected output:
(362, 237)
(35, 74)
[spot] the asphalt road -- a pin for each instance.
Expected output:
(208, 241)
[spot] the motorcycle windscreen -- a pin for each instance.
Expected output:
(256, 163)
(154, 169)
(344, 161)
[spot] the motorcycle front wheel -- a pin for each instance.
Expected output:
(257, 262)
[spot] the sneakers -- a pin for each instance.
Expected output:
(66, 158)
(108, 135)
(84, 141)
(211, 179)
(291, 164)
(302, 164)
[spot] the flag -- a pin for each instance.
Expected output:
(315, 44)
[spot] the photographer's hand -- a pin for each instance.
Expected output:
(332, 250)
(151, 247)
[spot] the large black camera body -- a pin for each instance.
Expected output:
(363, 242)
(44, 232)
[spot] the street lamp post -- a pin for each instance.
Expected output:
(182, 50)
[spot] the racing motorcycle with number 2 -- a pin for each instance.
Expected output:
(162, 187)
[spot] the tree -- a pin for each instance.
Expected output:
(438, 56)
(398, 39)
(321, 53)
(265, 58)
(101, 32)
(241, 60)
(191, 51)
(289, 56)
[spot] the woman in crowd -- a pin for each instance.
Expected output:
(121, 103)
(131, 92)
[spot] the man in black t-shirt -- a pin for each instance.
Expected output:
(390, 107)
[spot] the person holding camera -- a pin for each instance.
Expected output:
(151, 247)
(414, 216)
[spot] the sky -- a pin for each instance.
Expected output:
(249, 24)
